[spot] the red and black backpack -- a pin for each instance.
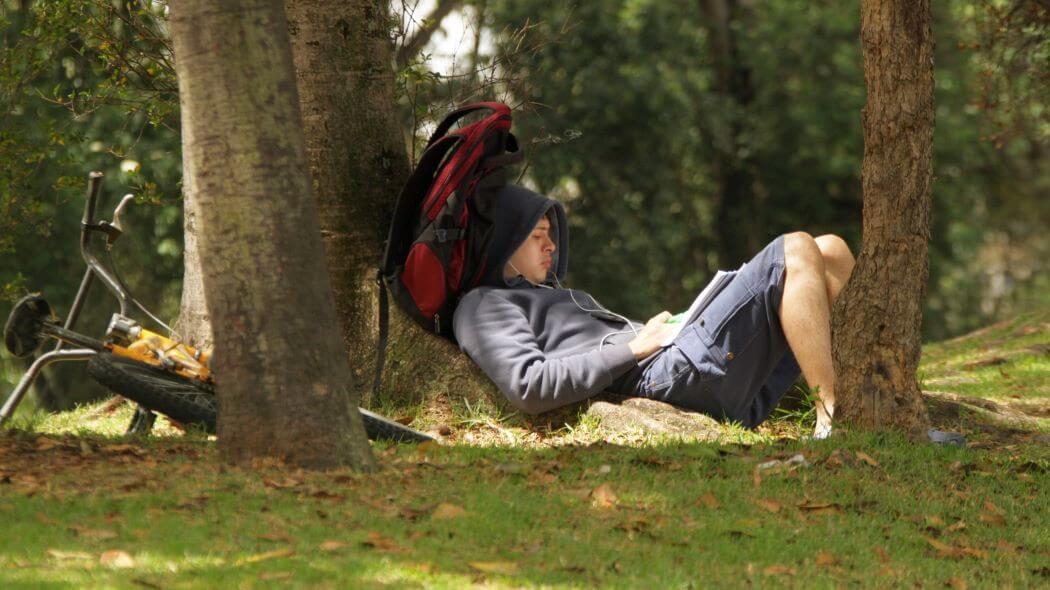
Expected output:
(443, 222)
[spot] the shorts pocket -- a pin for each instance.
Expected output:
(672, 367)
(704, 355)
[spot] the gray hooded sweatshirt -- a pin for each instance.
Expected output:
(537, 344)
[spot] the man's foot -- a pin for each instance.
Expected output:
(823, 429)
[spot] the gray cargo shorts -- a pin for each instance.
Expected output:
(733, 363)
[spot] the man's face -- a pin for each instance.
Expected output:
(534, 257)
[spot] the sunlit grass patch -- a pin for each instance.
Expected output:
(866, 510)
(519, 505)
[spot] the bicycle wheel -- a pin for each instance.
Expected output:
(185, 401)
(191, 402)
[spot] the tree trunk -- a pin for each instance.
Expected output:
(278, 358)
(878, 316)
(738, 213)
(193, 325)
(358, 162)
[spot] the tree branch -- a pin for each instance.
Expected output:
(426, 30)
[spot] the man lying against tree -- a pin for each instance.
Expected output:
(546, 346)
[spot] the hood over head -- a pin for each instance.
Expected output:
(518, 210)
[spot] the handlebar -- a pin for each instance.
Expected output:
(89, 225)
(94, 185)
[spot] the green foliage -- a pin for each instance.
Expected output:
(627, 123)
(84, 85)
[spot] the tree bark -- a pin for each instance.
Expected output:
(357, 153)
(358, 162)
(193, 325)
(278, 358)
(878, 316)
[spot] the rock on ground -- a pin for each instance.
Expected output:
(620, 414)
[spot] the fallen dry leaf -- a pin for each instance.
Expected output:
(943, 549)
(93, 534)
(934, 522)
(332, 545)
(278, 537)
(276, 553)
(125, 449)
(44, 443)
(709, 501)
(1006, 547)
(769, 505)
(603, 496)
(866, 458)
(282, 484)
(446, 511)
(495, 567)
(883, 555)
(946, 550)
(410, 513)
(779, 570)
(971, 552)
(377, 541)
(116, 559)
(59, 554)
(275, 575)
(826, 559)
(820, 508)
(991, 518)
(957, 583)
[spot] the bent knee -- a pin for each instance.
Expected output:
(801, 252)
(833, 247)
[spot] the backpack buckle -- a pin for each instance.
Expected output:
(446, 235)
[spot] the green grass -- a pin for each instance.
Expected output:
(529, 517)
(573, 508)
(1020, 346)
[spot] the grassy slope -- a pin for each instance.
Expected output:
(871, 510)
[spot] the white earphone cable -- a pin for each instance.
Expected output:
(600, 307)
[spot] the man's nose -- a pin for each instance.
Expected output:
(550, 245)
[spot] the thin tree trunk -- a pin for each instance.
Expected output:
(358, 163)
(278, 358)
(739, 221)
(193, 325)
(878, 316)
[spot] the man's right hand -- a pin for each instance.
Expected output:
(651, 336)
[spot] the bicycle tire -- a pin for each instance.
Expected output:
(182, 400)
(194, 403)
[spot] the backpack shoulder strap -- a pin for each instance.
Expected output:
(411, 197)
(456, 115)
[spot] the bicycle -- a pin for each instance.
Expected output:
(160, 374)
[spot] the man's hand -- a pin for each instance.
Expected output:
(649, 338)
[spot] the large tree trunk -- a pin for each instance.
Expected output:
(877, 343)
(358, 162)
(278, 358)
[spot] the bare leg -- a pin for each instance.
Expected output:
(805, 315)
(838, 263)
